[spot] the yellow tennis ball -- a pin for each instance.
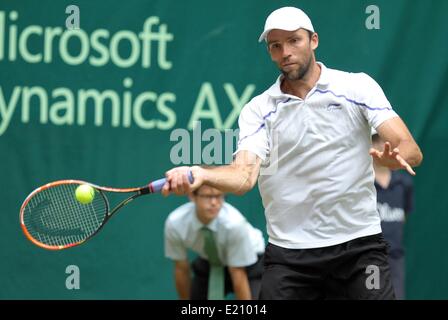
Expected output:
(85, 194)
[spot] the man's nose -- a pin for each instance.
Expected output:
(286, 51)
(214, 200)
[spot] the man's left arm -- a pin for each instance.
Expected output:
(240, 253)
(400, 149)
(240, 283)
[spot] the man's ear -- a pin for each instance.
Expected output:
(314, 41)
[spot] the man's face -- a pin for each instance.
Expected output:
(208, 202)
(292, 51)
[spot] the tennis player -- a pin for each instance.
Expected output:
(307, 141)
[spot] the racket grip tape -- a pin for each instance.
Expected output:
(157, 185)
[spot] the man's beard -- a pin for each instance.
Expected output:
(298, 74)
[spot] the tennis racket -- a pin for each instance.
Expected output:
(52, 218)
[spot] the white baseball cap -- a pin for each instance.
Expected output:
(286, 18)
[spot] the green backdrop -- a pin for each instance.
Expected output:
(197, 60)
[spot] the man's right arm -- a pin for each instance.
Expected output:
(238, 177)
(183, 279)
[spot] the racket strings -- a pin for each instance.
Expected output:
(54, 217)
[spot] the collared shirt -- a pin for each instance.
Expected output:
(316, 180)
(238, 243)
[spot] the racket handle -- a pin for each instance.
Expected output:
(157, 185)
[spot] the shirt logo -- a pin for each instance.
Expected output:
(334, 106)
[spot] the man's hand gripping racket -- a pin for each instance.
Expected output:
(52, 218)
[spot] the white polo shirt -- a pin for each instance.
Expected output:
(238, 243)
(317, 180)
